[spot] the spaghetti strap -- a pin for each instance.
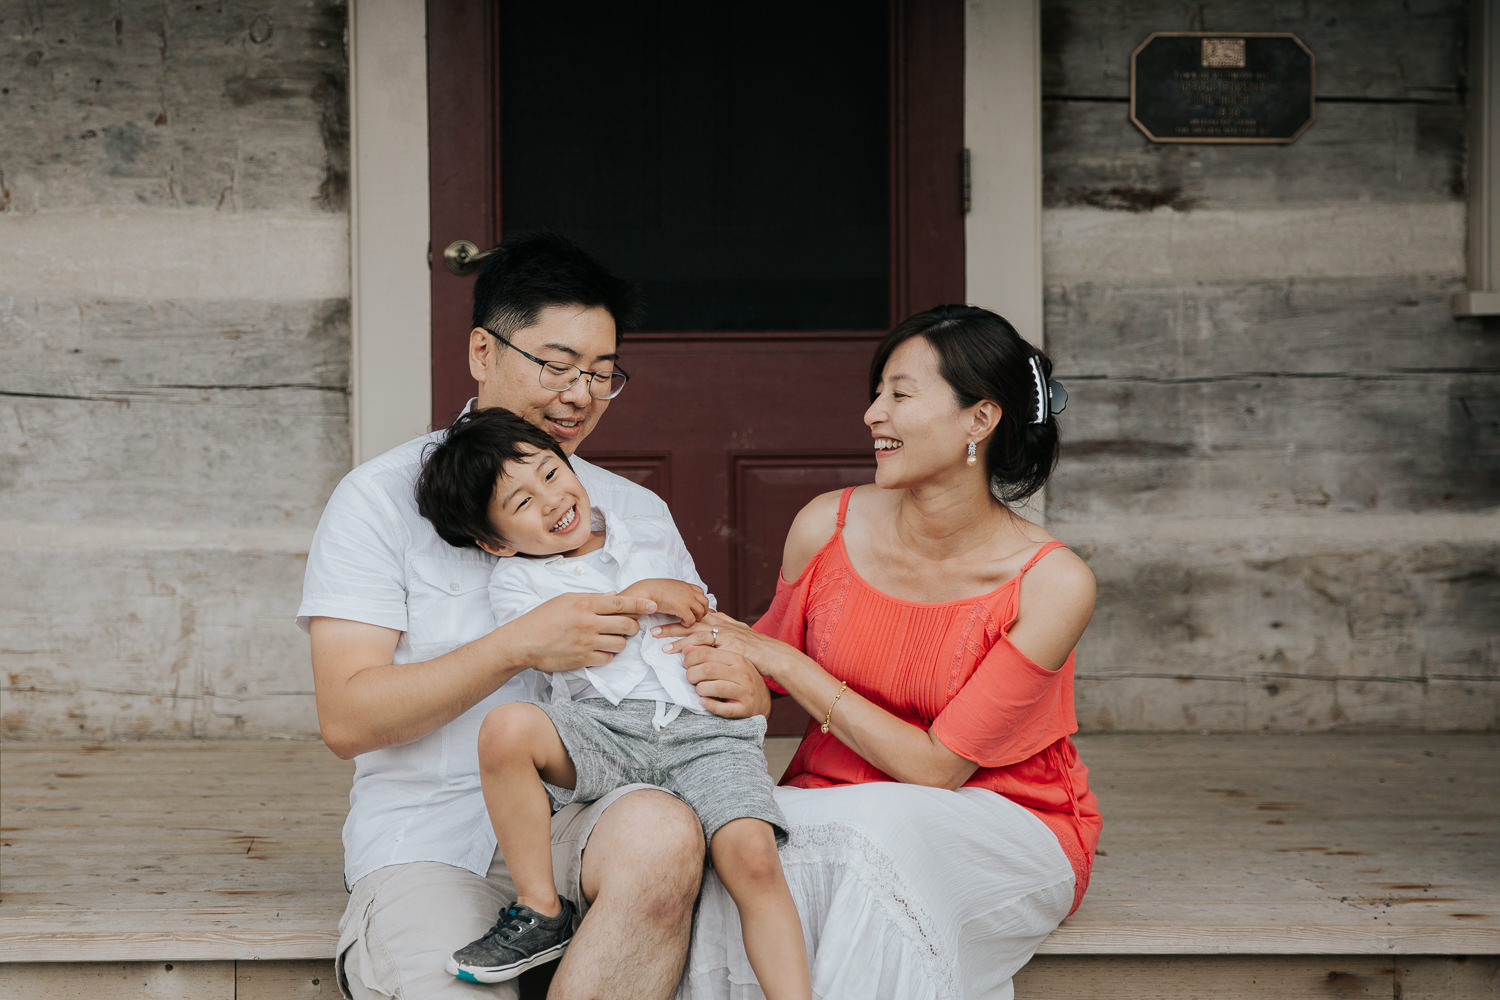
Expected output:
(844, 505)
(1048, 547)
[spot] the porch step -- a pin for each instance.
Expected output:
(1234, 866)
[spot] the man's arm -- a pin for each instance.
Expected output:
(366, 702)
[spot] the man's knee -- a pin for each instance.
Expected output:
(648, 846)
(661, 826)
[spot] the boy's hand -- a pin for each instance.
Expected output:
(673, 597)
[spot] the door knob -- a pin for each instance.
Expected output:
(463, 257)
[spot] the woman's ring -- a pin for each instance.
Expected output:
(714, 634)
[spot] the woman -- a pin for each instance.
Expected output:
(941, 821)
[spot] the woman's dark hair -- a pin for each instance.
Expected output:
(459, 472)
(981, 356)
(525, 274)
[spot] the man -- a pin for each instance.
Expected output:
(407, 661)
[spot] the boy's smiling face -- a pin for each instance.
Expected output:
(539, 507)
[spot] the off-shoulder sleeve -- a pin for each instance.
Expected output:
(1008, 710)
(786, 618)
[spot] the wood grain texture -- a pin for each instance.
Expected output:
(1357, 152)
(1293, 845)
(222, 412)
(1383, 50)
(127, 349)
(1227, 845)
(285, 980)
(1330, 977)
(1290, 326)
(1394, 241)
(1244, 632)
(233, 106)
(1259, 340)
(111, 980)
(1253, 443)
(175, 358)
(149, 642)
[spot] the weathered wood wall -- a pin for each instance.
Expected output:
(1282, 458)
(1282, 454)
(174, 363)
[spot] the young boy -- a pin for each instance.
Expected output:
(498, 482)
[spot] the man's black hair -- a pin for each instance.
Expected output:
(527, 273)
(459, 472)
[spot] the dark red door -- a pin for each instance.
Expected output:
(784, 187)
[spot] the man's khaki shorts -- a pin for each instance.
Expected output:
(403, 921)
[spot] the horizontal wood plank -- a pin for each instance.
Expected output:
(1292, 326)
(1086, 45)
(255, 456)
(126, 350)
(1267, 845)
(1331, 977)
(224, 107)
(196, 642)
(1251, 443)
(1355, 153)
(113, 980)
(285, 980)
(1241, 632)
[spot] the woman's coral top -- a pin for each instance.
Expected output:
(951, 669)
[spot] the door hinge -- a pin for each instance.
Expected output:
(965, 182)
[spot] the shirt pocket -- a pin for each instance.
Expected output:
(447, 601)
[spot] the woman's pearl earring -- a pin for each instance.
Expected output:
(972, 457)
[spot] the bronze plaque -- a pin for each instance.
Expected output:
(1199, 86)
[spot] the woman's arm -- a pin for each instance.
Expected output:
(906, 752)
(1055, 605)
(1061, 584)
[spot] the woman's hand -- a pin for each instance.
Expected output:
(904, 751)
(723, 658)
(731, 637)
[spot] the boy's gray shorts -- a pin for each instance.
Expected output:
(714, 764)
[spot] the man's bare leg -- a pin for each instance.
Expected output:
(642, 868)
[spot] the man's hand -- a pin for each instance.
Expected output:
(673, 597)
(578, 630)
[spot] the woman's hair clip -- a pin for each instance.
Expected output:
(1050, 395)
(1057, 396)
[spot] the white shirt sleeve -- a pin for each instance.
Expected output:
(657, 552)
(356, 566)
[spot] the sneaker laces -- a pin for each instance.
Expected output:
(511, 925)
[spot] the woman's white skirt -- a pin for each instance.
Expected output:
(905, 893)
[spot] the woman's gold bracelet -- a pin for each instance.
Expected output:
(828, 717)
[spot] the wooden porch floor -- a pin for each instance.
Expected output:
(1231, 866)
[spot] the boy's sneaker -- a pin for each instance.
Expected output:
(520, 939)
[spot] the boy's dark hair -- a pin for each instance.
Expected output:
(525, 274)
(459, 472)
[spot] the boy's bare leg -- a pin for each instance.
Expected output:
(745, 858)
(518, 748)
(642, 869)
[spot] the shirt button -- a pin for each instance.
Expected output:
(453, 587)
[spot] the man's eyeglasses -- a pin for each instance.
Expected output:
(557, 376)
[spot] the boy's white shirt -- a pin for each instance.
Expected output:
(635, 548)
(374, 559)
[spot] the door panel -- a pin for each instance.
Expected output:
(765, 297)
